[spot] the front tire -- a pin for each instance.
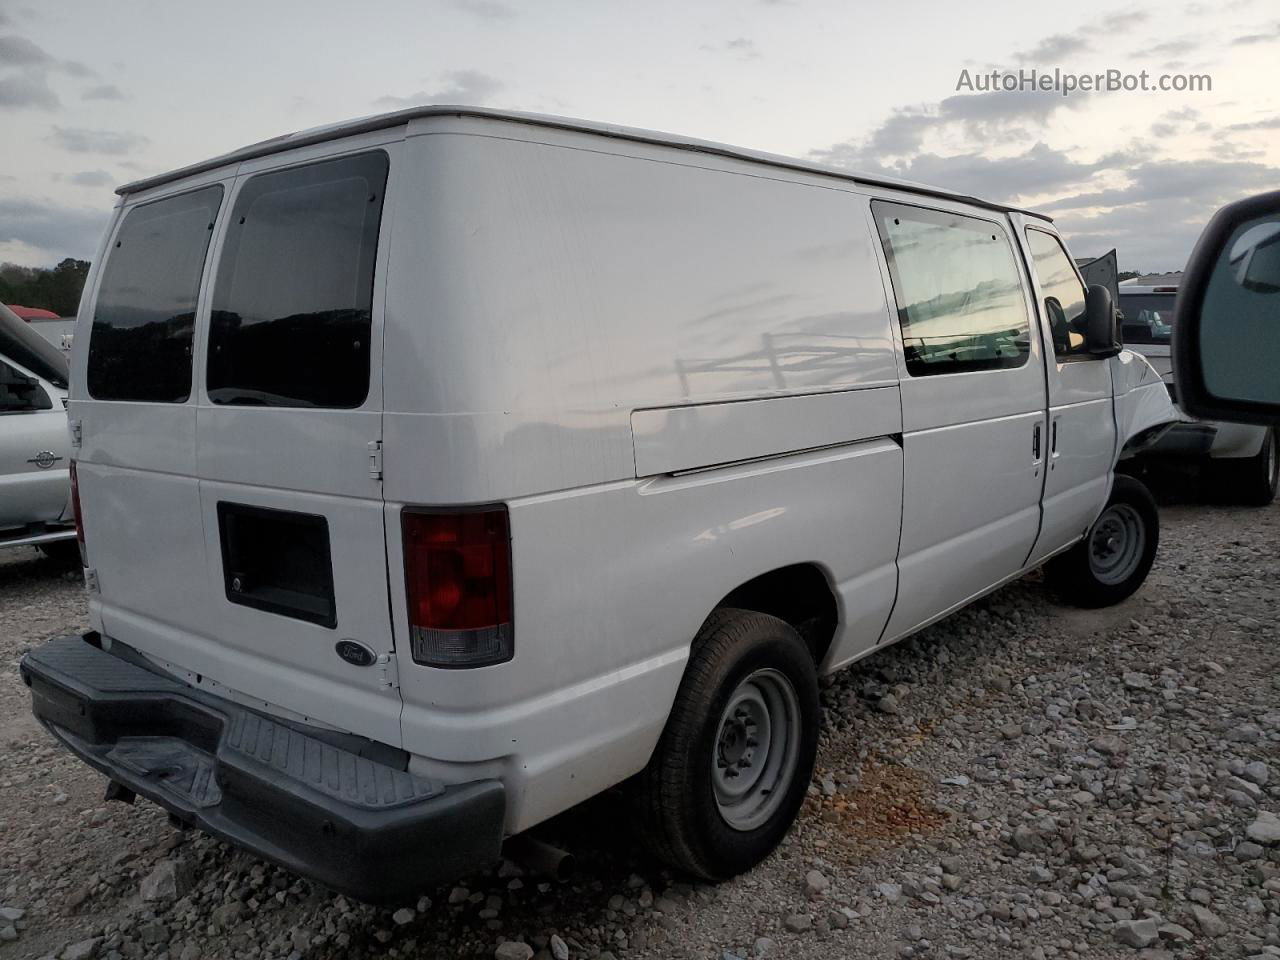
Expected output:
(65, 553)
(735, 759)
(1252, 481)
(1115, 556)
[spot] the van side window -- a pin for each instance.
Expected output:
(1063, 294)
(293, 299)
(20, 393)
(961, 303)
(140, 341)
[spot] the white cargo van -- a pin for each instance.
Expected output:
(443, 469)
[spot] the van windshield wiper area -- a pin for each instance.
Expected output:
(241, 397)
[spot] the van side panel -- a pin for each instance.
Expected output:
(672, 439)
(539, 294)
(545, 300)
(611, 584)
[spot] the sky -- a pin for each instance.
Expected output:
(96, 94)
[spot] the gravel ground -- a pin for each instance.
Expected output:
(1022, 780)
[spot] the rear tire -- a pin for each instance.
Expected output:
(1251, 481)
(1115, 556)
(735, 759)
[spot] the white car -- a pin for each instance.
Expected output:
(1243, 458)
(443, 469)
(35, 449)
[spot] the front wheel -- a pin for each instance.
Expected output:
(1252, 481)
(737, 754)
(1115, 556)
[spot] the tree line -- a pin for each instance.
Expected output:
(48, 288)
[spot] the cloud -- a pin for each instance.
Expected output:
(1035, 171)
(21, 90)
(1271, 123)
(1155, 218)
(107, 91)
(1054, 49)
(1125, 18)
(1266, 35)
(739, 46)
(485, 9)
(1170, 48)
(75, 68)
(62, 231)
(92, 178)
(998, 116)
(112, 143)
(18, 51)
(461, 86)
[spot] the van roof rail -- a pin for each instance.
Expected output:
(397, 118)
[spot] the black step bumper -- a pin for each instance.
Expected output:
(338, 814)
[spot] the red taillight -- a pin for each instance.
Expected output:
(75, 512)
(458, 577)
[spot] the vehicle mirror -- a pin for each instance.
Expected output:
(1226, 332)
(1100, 322)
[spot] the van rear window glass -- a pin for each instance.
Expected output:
(961, 303)
(293, 299)
(140, 341)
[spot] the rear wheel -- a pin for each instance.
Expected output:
(1252, 481)
(1115, 556)
(737, 753)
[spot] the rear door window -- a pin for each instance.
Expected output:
(140, 341)
(961, 303)
(293, 298)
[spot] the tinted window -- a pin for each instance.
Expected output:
(140, 342)
(292, 304)
(960, 299)
(20, 393)
(1148, 317)
(1063, 293)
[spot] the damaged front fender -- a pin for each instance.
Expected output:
(1143, 408)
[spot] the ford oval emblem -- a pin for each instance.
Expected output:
(355, 653)
(45, 459)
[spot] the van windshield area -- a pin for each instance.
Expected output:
(1148, 317)
(292, 302)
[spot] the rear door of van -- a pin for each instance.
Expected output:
(229, 467)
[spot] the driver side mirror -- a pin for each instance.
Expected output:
(1226, 332)
(1100, 335)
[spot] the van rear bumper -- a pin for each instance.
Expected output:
(337, 815)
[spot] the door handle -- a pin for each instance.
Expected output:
(1053, 440)
(1035, 445)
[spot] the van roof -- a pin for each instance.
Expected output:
(398, 117)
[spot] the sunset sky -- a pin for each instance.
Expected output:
(94, 94)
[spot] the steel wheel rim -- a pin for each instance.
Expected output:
(1273, 461)
(1116, 544)
(756, 750)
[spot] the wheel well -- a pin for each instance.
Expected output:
(801, 595)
